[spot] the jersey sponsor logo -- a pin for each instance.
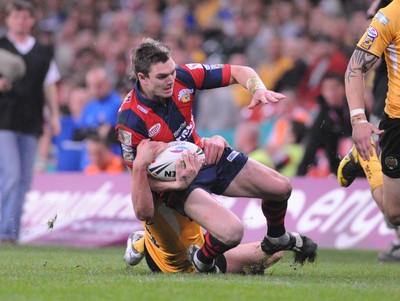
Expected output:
(382, 18)
(184, 95)
(142, 109)
(154, 130)
(213, 66)
(232, 156)
(125, 137)
(184, 131)
(194, 66)
(372, 33)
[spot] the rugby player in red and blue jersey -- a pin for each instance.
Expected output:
(159, 108)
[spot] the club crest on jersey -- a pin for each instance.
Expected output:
(184, 95)
(372, 34)
(125, 137)
(154, 130)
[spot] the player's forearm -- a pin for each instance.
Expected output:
(141, 196)
(164, 186)
(360, 63)
(247, 77)
(51, 100)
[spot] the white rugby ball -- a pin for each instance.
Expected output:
(163, 166)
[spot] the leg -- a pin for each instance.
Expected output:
(258, 181)
(27, 146)
(393, 254)
(9, 181)
(222, 223)
(224, 229)
(390, 199)
(249, 258)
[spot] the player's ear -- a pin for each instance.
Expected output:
(141, 76)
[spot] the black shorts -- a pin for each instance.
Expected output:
(212, 178)
(389, 143)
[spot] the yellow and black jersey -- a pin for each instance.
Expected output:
(168, 236)
(383, 36)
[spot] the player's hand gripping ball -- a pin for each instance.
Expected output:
(163, 166)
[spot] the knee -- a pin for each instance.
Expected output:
(233, 236)
(285, 189)
(393, 218)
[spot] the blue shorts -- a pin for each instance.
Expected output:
(211, 178)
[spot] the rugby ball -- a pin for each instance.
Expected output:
(163, 166)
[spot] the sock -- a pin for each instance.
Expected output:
(139, 245)
(211, 249)
(275, 213)
(373, 170)
(279, 241)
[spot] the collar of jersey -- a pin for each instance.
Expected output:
(151, 103)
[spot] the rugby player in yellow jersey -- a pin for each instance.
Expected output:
(169, 234)
(381, 37)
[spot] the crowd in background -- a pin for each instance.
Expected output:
(298, 47)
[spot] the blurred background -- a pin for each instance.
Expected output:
(298, 47)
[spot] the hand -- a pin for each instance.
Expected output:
(362, 138)
(213, 148)
(187, 169)
(147, 151)
(265, 96)
(5, 84)
(55, 126)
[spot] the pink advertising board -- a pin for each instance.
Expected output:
(95, 211)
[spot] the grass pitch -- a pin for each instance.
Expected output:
(55, 273)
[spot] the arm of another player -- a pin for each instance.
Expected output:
(141, 195)
(186, 170)
(249, 79)
(360, 63)
(213, 148)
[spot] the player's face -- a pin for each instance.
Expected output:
(160, 82)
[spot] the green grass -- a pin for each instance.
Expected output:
(54, 273)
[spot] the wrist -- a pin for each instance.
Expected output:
(254, 83)
(357, 111)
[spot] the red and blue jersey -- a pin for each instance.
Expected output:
(141, 118)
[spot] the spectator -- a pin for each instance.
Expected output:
(325, 59)
(331, 124)
(69, 152)
(21, 114)
(291, 152)
(247, 141)
(101, 157)
(100, 113)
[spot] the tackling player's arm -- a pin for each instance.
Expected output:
(360, 62)
(141, 195)
(143, 184)
(213, 148)
(248, 78)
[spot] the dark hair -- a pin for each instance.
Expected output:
(335, 76)
(299, 130)
(19, 5)
(147, 54)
